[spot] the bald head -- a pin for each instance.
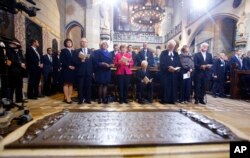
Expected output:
(84, 42)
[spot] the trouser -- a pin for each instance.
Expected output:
(123, 85)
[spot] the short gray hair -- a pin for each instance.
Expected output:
(204, 44)
(171, 42)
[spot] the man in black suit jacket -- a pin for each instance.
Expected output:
(169, 69)
(132, 53)
(83, 60)
(246, 62)
(47, 72)
(219, 76)
(145, 54)
(5, 63)
(57, 67)
(144, 85)
(115, 51)
(203, 62)
(34, 67)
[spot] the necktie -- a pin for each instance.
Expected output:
(37, 54)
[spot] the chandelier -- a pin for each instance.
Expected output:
(147, 15)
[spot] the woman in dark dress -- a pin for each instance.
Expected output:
(68, 70)
(103, 60)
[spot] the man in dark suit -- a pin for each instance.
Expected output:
(144, 84)
(203, 62)
(16, 72)
(34, 67)
(246, 62)
(47, 72)
(83, 60)
(57, 67)
(132, 53)
(219, 76)
(236, 61)
(169, 69)
(115, 51)
(145, 54)
(5, 63)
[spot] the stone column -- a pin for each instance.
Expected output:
(93, 23)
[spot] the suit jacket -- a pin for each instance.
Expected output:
(86, 67)
(246, 63)
(199, 60)
(166, 61)
(56, 64)
(141, 56)
(3, 57)
(140, 75)
(16, 60)
(113, 55)
(134, 57)
(47, 64)
(66, 58)
(234, 60)
(121, 67)
(32, 60)
(219, 69)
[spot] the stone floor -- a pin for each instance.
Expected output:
(234, 114)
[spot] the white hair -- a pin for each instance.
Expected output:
(144, 62)
(204, 44)
(171, 42)
(102, 42)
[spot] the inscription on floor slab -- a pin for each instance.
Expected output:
(84, 128)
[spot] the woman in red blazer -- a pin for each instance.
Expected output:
(123, 62)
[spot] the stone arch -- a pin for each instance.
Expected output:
(198, 28)
(75, 31)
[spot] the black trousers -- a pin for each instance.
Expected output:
(16, 86)
(200, 86)
(218, 87)
(84, 87)
(47, 87)
(123, 85)
(33, 83)
(145, 91)
(186, 87)
(5, 88)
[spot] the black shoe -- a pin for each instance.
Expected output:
(41, 96)
(196, 102)
(141, 102)
(33, 98)
(126, 102)
(99, 101)
(120, 102)
(162, 102)
(202, 102)
(80, 102)
(69, 102)
(88, 102)
(22, 101)
(214, 96)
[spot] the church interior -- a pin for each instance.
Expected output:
(124, 78)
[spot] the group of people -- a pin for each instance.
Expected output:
(80, 67)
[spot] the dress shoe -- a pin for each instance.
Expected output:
(202, 102)
(80, 102)
(69, 102)
(99, 101)
(126, 102)
(196, 102)
(33, 98)
(87, 102)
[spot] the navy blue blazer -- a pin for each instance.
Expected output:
(166, 61)
(199, 60)
(246, 63)
(140, 75)
(66, 59)
(56, 64)
(32, 60)
(219, 69)
(141, 56)
(86, 67)
(47, 64)
(234, 60)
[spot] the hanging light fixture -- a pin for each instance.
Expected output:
(147, 15)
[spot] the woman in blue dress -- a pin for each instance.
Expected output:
(103, 60)
(68, 70)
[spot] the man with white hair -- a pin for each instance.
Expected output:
(169, 69)
(203, 62)
(219, 76)
(144, 84)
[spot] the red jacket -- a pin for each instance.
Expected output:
(121, 66)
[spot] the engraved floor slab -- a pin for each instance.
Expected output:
(81, 128)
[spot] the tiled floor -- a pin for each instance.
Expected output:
(233, 113)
